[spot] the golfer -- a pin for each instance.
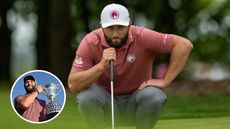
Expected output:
(138, 98)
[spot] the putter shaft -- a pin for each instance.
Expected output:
(112, 95)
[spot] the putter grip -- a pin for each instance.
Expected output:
(111, 70)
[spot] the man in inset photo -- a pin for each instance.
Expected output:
(38, 96)
(29, 105)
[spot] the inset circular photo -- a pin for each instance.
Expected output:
(38, 96)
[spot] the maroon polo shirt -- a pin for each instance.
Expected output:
(134, 60)
(36, 112)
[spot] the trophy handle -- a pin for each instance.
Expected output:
(46, 91)
(59, 88)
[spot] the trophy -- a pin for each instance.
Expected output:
(53, 107)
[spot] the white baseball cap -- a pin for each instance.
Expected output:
(114, 14)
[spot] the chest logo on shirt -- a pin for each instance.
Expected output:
(79, 61)
(131, 58)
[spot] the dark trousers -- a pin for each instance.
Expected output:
(142, 108)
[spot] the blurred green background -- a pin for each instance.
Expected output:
(44, 34)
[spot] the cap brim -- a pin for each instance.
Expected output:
(115, 23)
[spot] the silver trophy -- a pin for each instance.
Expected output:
(53, 107)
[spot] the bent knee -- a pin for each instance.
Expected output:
(90, 96)
(84, 98)
(153, 96)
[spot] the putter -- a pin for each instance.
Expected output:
(111, 85)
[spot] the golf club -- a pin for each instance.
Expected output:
(111, 85)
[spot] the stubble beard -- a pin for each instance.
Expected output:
(116, 44)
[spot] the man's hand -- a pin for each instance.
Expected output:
(39, 89)
(159, 83)
(108, 54)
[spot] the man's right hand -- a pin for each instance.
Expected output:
(108, 54)
(81, 80)
(39, 89)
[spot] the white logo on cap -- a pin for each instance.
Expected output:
(114, 14)
(79, 61)
(131, 58)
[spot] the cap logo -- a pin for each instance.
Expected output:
(114, 14)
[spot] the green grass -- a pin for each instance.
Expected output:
(195, 123)
(190, 112)
(197, 106)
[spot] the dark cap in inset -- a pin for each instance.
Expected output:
(28, 77)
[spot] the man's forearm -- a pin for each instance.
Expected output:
(178, 60)
(81, 80)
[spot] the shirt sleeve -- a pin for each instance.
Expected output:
(156, 42)
(84, 57)
(17, 100)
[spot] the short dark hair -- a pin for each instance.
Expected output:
(28, 77)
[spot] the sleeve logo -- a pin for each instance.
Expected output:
(79, 61)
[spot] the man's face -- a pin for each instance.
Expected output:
(116, 35)
(30, 85)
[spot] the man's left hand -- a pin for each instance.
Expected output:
(159, 83)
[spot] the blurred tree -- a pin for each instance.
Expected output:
(209, 29)
(60, 33)
(54, 32)
(5, 40)
(165, 18)
(205, 23)
(85, 15)
(42, 43)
